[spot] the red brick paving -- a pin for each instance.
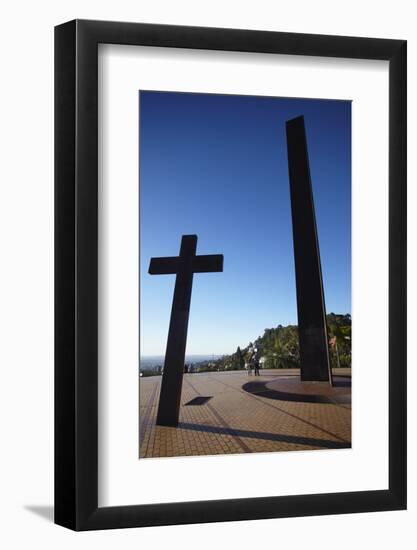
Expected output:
(275, 418)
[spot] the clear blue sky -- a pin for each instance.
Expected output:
(216, 166)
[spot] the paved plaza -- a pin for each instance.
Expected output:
(231, 412)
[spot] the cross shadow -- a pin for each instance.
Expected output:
(266, 436)
(199, 400)
(45, 512)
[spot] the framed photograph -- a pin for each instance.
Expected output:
(230, 255)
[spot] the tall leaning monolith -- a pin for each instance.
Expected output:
(312, 329)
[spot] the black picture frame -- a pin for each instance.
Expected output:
(76, 272)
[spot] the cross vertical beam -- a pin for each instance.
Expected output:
(312, 328)
(184, 266)
(170, 396)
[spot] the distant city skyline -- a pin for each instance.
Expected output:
(216, 166)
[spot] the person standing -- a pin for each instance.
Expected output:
(255, 360)
(250, 358)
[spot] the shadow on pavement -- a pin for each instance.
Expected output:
(266, 436)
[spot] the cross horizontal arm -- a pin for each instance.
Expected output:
(164, 266)
(170, 265)
(209, 263)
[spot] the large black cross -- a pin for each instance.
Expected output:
(184, 266)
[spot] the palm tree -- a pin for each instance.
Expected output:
(339, 336)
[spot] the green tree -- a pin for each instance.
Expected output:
(240, 359)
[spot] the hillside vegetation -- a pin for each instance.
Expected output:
(279, 347)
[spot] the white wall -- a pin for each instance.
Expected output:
(26, 272)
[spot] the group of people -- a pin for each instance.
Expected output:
(253, 360)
